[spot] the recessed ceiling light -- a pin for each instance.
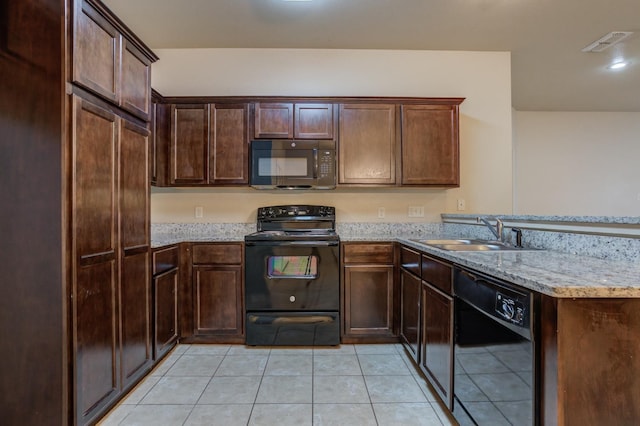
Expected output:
(618, 65)
(297, 0)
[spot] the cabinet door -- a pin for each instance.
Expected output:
(161, 143)
(136, 81)
(313, 121)
(437, 341)
(368, 300)
(189, 151)
(274, 120)
(94, 258)
(165, 312)
(409, 311)
(218, 300)
(135, 291)
(134, 187)
(367, 145)
(135, 317)
(430, 145)
(229, 144)
(96, 52)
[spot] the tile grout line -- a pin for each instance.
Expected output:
(207, 385)
(255, 399)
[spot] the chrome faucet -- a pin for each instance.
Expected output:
(497, 231)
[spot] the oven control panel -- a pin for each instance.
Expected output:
(510, 309)
(274, 212)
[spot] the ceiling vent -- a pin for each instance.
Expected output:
(607, 41)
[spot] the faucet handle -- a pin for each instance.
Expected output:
(518, 232)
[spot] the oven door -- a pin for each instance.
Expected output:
(292, 276)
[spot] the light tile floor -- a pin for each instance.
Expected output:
(239, 385)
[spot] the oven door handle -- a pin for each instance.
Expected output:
(293, 243)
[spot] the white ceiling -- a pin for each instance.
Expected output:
(545, 37)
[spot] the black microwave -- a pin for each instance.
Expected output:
(293, 164)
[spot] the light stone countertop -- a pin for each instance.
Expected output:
(553, 273)
(625, 220)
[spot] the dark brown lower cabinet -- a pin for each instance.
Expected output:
(368, 292)
(165, 333)
(218, 293)
(218, 298)
(437, 322)
(410, 312)
(436, 359)
(410, 261)
(135, 317)
(96, 339)
(165, 299)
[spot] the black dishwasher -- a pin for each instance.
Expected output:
(495, 351)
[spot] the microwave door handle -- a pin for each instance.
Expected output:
(315, 163)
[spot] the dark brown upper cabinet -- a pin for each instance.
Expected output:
(189, 147)
(273, 121)
(109, 61)
(367, 145)
(135, 80)
(404, 144)
(229, 144)
(313, 121)
(430, 145)
(381, 141)
(293, 121)
(209, 144)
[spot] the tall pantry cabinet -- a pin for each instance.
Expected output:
(74, 111)
(110, 242)
(34, 384)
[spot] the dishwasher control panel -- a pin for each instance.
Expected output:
(510, 309)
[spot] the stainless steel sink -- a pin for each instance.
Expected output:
(446, 242)
(471, 245)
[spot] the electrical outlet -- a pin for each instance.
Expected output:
(416, 211)
(199, 212)
(461, 204)
(380, 212)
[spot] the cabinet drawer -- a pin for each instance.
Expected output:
(368, 253)
(220, 254)
(165, 259)
(410, 260)
(437, 273)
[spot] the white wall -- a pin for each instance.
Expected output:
(577, 163)
(483, 78)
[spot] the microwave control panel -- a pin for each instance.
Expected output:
(326, 165)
